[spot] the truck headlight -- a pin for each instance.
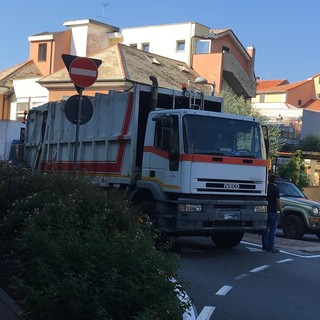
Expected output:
(260, 209)
(184, 207)
(315, 211)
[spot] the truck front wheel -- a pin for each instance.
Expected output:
(227, 239)
(293, 227)
(148, 207)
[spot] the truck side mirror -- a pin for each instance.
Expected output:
(166, 137)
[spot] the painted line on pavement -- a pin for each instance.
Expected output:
(223, 290)
(206, 313)
(258, 269)
(284, 260)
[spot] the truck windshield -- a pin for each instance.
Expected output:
(225, 137)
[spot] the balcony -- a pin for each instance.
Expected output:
(236, 77)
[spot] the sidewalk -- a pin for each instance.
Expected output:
(9, 310)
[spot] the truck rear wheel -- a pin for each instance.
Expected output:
(293, 227)
(227, 239)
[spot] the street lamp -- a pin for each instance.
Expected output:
(202, 80)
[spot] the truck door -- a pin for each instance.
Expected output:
(164, 154)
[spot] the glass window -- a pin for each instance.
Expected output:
(42, 54)
(146, 47)
(203, 46)
(225, 137)
(134, 45)
(262, 98)
(225, 49)
(181, 44)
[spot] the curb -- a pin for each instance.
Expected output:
(290, 244)
(12, 306)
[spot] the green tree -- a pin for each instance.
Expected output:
(310, 143)
(295, 170)
(239, 105)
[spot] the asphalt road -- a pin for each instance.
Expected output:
(248, 283)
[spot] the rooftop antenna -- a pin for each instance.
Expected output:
(104, 5)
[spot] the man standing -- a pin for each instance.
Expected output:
(274, 204)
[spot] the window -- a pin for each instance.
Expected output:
(20, 112)
(42, 53)
(299, 102)
(181, 44)
(146, 47)
(262, 98)
(225, 49)
(319, 80)
(203, 46)
(134, 45)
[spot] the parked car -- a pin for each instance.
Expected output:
(299, 215)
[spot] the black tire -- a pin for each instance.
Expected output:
(293, 227)
(227, 239)
(148, 207)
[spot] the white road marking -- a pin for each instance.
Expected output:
(254, 249)
(223, 290)
(285, 252)
(242, 276)
(284, 260)
(206, 313)
(258, 269)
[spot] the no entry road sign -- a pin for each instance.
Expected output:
(83, 72)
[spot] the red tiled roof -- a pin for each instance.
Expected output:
(284, 87)
(312, 105)
(264, 84)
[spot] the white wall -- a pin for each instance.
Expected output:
(9, 131)
(310, 123)
(28, 91)
(163, 38)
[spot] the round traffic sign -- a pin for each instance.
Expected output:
(83, 72)
(71, 109)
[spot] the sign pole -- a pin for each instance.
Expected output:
(75, 154)
(83, 72)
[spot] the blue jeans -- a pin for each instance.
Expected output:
(269, 235)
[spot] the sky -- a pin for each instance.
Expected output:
(284, 32)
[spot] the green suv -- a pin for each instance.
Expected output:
(300, 215)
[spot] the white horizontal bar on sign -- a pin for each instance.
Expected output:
(83, 72)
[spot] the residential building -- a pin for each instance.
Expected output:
(215, 55)
(295, 108)
(123, 66)
(19, 85)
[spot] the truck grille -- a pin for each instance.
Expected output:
(229, 186)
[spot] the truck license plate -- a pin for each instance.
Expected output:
(231, 215)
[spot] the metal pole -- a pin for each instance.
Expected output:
(75, 155)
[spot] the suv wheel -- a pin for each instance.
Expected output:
(293, 227)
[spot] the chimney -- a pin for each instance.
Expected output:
(252, 53)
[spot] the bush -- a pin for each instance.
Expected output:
(87, 254)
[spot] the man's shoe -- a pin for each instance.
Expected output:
(274, 250)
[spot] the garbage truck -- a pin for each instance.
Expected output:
(196, 170)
